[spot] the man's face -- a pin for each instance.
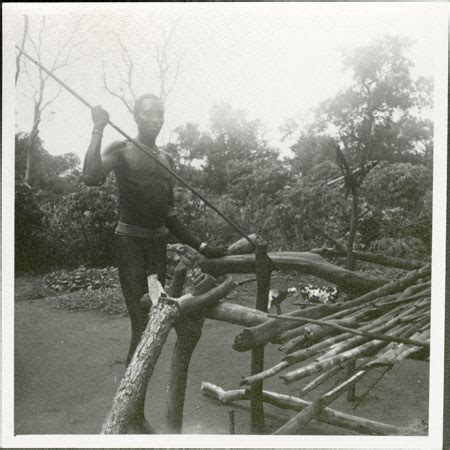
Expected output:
(150, 118)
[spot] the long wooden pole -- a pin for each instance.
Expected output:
(263, 272)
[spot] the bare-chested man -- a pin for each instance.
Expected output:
(146, 211)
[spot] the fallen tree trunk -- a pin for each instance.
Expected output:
(376, 258)
(328, 415)
(162, 318)
(307, 263)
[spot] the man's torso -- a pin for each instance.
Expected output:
(145, 188)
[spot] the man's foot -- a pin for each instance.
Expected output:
(140, 426)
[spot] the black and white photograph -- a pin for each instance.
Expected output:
(223, 224)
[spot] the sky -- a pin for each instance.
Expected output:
(276, 61)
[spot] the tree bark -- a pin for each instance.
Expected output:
(141, 367)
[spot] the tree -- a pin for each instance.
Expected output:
(54, 175)
(378, 117)
(310, 150)
(397, 207)
(37, 80)
(232, 139)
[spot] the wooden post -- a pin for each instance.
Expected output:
(189, 330)
(231, 417)
(263, 271)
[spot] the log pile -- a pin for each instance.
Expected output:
(376, 330)
(387, 326)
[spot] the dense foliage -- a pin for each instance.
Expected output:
(61, 223)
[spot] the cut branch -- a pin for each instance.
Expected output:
(328, 415)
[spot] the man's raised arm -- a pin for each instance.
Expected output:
(96, 165)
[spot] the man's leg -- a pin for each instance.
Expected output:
(155, 263)
(133, 281)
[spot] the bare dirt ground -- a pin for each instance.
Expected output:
(68, 366)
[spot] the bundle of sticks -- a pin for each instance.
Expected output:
(377, 330)
(382, 326)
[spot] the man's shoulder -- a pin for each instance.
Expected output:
(115, 146)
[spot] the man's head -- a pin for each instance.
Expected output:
(149, 115)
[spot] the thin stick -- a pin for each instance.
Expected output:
(381, 337)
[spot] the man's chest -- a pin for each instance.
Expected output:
(137, 165)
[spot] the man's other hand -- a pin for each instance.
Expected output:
(100, 118)
(213, 252)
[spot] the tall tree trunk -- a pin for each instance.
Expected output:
(30, 168)
(351, 260)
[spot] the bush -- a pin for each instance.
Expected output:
(398, 208)
(29, 227)
(81, 227)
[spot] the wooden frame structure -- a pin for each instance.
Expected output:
(407, 297)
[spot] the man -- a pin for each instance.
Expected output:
(146, 211)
